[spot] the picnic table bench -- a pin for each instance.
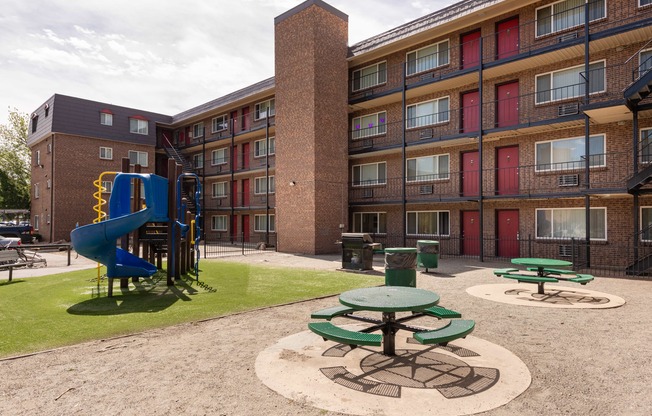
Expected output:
(544, 273)
(9, 259)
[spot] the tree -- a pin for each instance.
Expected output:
(15, 155)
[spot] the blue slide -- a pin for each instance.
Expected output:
(98, 241)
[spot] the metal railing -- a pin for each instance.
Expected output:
(224, 244)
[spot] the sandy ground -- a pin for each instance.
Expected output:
(582, 361)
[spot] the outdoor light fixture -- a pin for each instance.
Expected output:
(292, 183)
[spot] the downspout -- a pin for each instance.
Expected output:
(480, 150)
(267, 177)
(636, 213)
(52, 188)
(587, 136)
(403, 168)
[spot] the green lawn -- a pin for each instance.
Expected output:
(45, 312)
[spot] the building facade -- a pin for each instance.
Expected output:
(499, 128)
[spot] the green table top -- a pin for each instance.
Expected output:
(538, 262)
(389, 299)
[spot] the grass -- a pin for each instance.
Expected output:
(45, 312)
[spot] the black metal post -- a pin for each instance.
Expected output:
(403, 168)
(587, 135)
(480, 150)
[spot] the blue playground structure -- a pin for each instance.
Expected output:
(97, 241)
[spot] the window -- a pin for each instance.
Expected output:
(49, 148)
(566, 14)
(370, 174)
(642, 3)
(138, 126)
(138, 158)
(427, 168)
(37, 158)
(369, 76)
(264, 109)
(259, 147)
(569, 83)
(106, 119)
(428, 223)
(370, 222)
(36, 222)
(219, 189)
(37, 191)
(34, 123)
(198, 130)
(646, 223)
(427, 58)
(106, 153)
(569, 153)
(260, 185)
(645, 61)
(369, 125)
(570, 223)
(218, 223)
(260, 223)
(198, 161)
(427, 113)
(219, 156)
(107, 186)
(646, 145)
(220, 123)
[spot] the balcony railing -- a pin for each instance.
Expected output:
(246, 161)
(242, 200)
(230, 127)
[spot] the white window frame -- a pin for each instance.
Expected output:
(640, 3)
(139, 156)
(215, 188)
(138, 126)
(106, 153)
(220, 123)
(369, 182)
(439, 213)
(381, 228)
(553, 30)
(198, 160)
(429, 177)
(215, 160)
(571, 235)
(37, 158)
(579, 164)
(369, 76)
(216, 227)
(644, 226)
(430, 119)
(421, 63)
(579, 85)
(107, 187)
(36, 222)
(198, 130)
(641, 60)
(106, 119)
(376, 125)
(261, 109)
(259, 147)
(258, 218)
(37, 191)
(260, 185)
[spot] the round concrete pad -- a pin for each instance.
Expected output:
(468, 376)
(554, 296)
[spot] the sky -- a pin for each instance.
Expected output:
(157, 55)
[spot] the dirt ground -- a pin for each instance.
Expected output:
(582, 361)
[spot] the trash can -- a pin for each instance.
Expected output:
(427, 254)
(401, 266)
(357, 251)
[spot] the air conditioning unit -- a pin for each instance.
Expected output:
(425, 134)
(566, 250)
(567, 36)
(367, 143)
(568, 180)
(425, 189)
(568, 109)
(368, 193)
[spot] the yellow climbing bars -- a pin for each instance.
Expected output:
(98, 196)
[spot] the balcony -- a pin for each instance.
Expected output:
(246, 161)
(242, 201)
(240, 126)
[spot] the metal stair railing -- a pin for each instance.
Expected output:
(172, 152)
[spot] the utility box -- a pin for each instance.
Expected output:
(357, 251)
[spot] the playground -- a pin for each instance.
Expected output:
(580, 361)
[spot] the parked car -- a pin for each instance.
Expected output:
(6, 242)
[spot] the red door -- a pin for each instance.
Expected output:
(234, 157)
(507, 38)
(470, 111)
(234, 121)
(234, 194)
(471, 174)
(245, 228)
(470, 233)
(234, 227)
(507, 104)
(245, 192)
(470, 53)
(507, 224)
(245, 156)
(245, 119)
(507, 170)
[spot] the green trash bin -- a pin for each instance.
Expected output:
(401, 267)
(427, 254)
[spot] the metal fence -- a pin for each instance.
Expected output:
(240, 245)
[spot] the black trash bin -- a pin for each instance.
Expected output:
(427, 254)
(357, 251)
(401, 266)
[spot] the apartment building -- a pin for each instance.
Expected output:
(499, 128)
